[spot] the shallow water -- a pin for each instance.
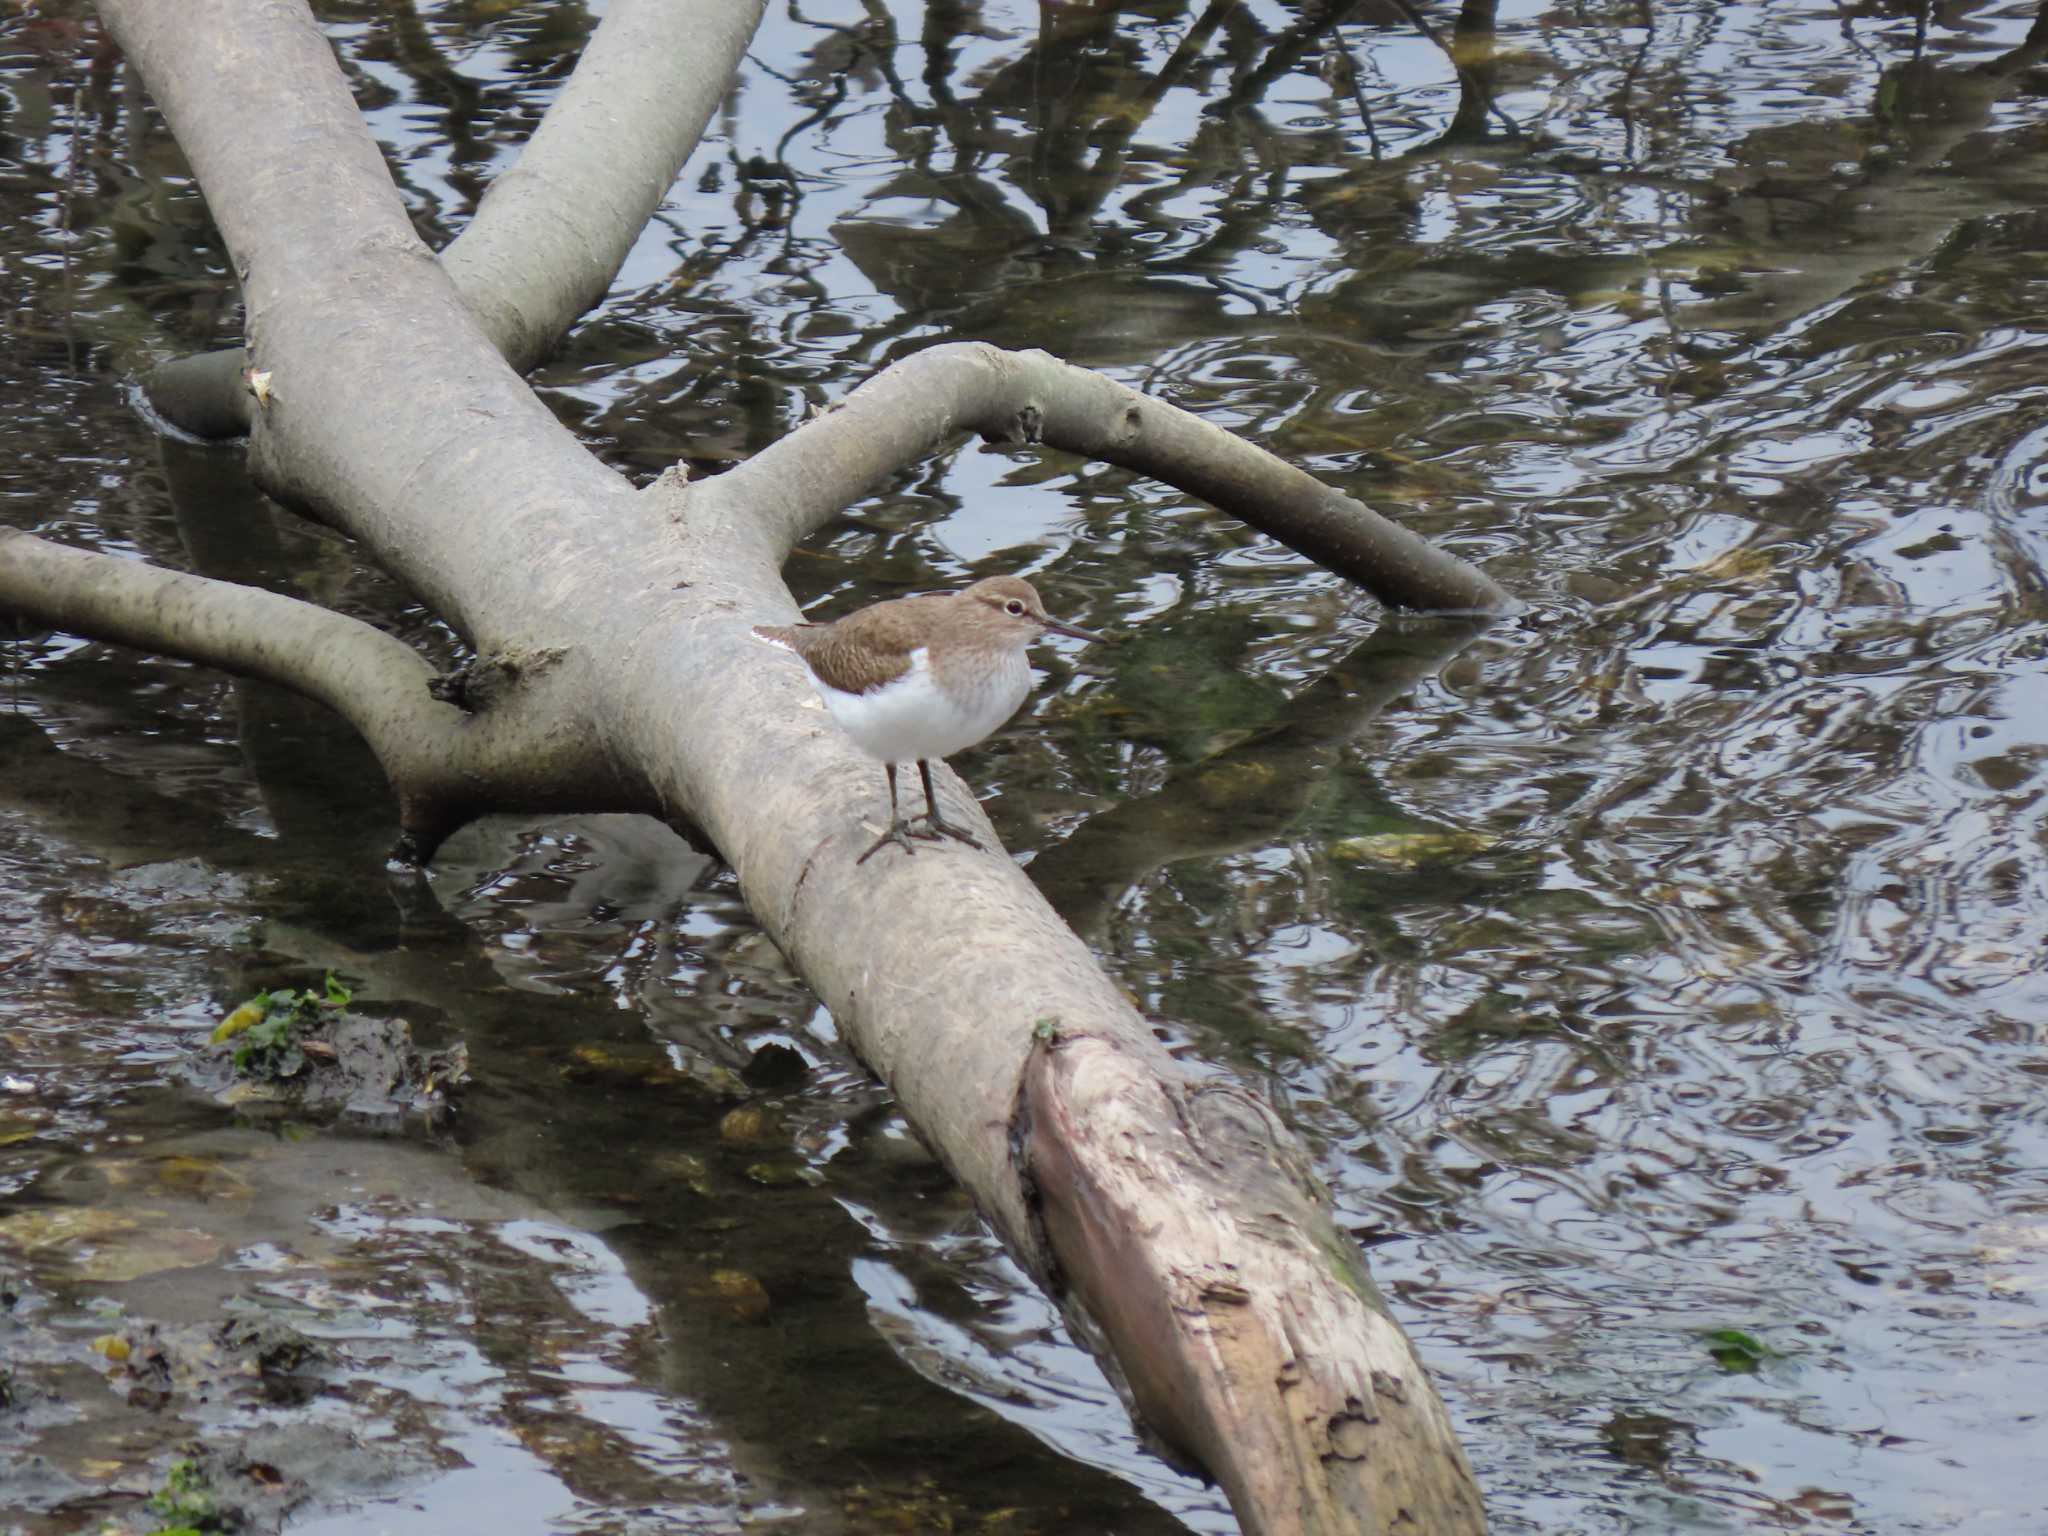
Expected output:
(1665, 959)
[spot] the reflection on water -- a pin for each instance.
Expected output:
(1663, 960)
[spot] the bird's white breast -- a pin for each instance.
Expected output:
(912, 717)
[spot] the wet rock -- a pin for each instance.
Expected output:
(253, 1482)
(104, 1245)
(249, 1357)
(326, 1060)
(737, 1293)
(775, 1066)
(752, 1125)
(36, 1482)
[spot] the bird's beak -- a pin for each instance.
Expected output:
(1076, 631)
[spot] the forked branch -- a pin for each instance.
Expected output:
(518, 750)
(554, 229)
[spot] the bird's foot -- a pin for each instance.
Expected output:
(898, 833)
(936, 826)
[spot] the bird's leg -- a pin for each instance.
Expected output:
(899, 829)
(936, 825)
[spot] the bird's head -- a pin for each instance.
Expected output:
(1010, 606)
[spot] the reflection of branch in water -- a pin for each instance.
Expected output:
(1249, 794)
(1101, 178)
(873, 42)
(1625, 94)
(2029, 53)
(943, 22)
(1340, 73)
(439, 81)
(1289, 49)
(1848, 30)
(116, 817)
(1476, 101)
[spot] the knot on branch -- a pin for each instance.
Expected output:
(1129, 427)
(1347, 1436)
(1023, 430)
(671, 491)
(484, 681)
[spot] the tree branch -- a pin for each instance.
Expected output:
(555, 227)
(447, 766)
(917, 405)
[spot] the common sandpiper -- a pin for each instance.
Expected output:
(919, 678)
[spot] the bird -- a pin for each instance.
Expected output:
(914, 679)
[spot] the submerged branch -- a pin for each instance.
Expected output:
(1254, 792)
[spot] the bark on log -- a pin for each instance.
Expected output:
(1259, 1347)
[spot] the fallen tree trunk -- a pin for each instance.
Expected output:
(1178, 1216)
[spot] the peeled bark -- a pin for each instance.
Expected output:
(1177, 1214)
(1247, 1328)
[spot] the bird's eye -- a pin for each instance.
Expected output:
(1015, 606)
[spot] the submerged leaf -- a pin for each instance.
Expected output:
(249, 1013)
(1735, 1350)
(1408, 849)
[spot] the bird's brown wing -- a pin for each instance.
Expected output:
(863, 651)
